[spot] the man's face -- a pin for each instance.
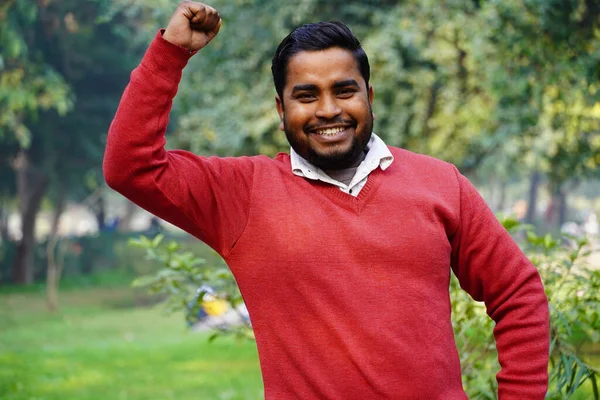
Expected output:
(326, 108)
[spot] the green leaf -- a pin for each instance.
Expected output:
(549, 243)
(173, 246)
(584, 241)
(532, 237)
(157, 240)
(142, 242)
(143, 281)
(510, 223)
(573, 256)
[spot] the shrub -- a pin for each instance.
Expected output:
(572, 287)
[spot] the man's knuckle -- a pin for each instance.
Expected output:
(187, 3)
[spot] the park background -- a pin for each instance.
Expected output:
(508, 91)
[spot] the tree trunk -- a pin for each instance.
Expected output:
(501, 195)
(125, 221)
(431, 106)
(557, 212)
(31, 187)
(101, 214)
(532, 202)
(54, 267)
(4, 236)
(562, 208)
(492, 194)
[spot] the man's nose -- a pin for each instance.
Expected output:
(328, 108)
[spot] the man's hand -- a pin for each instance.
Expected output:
(193, 25)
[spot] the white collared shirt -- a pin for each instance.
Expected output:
(378, 155)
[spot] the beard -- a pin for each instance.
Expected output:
(336, 158)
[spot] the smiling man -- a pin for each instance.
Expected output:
(326, 112)
(342, 249)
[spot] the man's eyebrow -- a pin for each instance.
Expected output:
(337, 85)
(307, 87)
(346, 83)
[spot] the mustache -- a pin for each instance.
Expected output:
(334, 121)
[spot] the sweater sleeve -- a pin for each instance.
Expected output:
(493, 269)
(206, 196)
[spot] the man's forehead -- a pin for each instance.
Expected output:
(322, 54)
(317, 70)
(333, 62)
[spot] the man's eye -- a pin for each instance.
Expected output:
(344, 93)
(305, 96)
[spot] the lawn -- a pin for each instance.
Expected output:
(104, 344)
(100, 346)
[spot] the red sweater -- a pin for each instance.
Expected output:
(348, 296)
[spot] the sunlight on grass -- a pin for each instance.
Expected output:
(96, 349)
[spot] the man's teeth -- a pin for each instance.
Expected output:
(330, 131)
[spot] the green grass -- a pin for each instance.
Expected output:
(102, 345)
(99, 347)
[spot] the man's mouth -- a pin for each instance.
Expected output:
(330, 131)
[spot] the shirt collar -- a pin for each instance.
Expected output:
(378, 155)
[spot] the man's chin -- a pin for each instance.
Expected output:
(334, 160)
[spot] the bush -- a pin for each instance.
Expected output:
(572, 287)
(187, 284)
(573, 291)
(80, 256)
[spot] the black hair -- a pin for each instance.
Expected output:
(314, 37)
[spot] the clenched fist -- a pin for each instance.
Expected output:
(193, 25)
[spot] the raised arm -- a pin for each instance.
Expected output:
(491, 268)
(200, 195)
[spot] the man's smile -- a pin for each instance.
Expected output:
(330, 131)
(332, 134)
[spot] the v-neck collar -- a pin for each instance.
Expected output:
(348, 201)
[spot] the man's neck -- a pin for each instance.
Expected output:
(345, 175)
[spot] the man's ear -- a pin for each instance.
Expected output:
(371, 97)
(279, 105)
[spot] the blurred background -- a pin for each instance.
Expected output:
(508, 91)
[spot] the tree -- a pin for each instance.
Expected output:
(95, 56)
(555, 45)
(28, 85)
(458, 80)
(70, 63)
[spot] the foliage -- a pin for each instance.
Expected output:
(573, 290)
(63, 67)
(225, 104)
(94, 56)
(509, 85)
(28, 83)
(186, 281)
(465, 81)
(82, 257)
(460, 80)
(572, 287)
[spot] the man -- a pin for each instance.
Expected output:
(342, 250)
